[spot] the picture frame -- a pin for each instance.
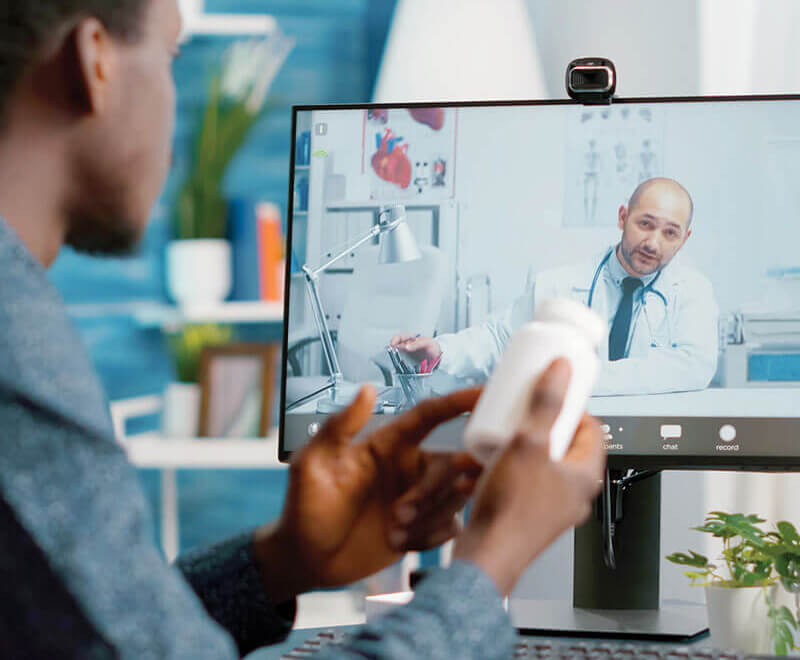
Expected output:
(237, 384)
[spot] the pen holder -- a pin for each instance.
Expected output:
(415, 387)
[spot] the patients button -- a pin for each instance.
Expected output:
(727, 433)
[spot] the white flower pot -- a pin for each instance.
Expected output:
(738, 618)
(180, 417)
(199, 271)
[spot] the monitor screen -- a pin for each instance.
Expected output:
(683, 213)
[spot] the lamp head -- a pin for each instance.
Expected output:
(398, 244)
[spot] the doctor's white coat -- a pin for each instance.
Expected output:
(672, 347)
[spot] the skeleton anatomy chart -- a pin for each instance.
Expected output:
(610, 150)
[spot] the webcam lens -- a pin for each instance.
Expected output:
(589, 79)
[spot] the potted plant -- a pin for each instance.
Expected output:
(742, 600)
(199, 254)
(181, 412)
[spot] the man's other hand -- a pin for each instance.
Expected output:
(353, 508)
(525, 501)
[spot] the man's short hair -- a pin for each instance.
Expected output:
(25, 26)
(643, 187)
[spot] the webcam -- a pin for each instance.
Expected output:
(591, 80)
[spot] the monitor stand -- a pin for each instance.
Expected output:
(621, 602)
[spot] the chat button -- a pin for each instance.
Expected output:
(671, 431)
(670, 434)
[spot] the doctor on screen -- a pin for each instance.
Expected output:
(662, 315)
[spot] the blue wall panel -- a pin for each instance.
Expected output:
(333, 62)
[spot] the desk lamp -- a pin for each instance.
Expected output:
(397, 245)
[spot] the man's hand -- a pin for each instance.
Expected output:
(419, 348)
(525, 501)
(354, 508)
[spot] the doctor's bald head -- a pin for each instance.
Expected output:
(668, 191)
(655, 225)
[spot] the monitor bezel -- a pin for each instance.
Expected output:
(615, 461)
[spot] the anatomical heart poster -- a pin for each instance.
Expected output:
(409, 153)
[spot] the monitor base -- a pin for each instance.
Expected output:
(675, 623)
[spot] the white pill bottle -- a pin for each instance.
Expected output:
(561, 328)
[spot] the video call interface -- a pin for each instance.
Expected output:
(684, 214)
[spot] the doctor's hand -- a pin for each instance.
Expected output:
(524, 500)
(419, 348)
(353, 508)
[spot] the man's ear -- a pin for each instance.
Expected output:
(622, 215)
(94, 56)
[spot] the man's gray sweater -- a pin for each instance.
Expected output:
(80, 576)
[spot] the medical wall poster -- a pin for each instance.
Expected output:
(409, 153)
(610, 151)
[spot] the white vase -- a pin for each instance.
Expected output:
(180, 417)
(199, 271)
(738, 618)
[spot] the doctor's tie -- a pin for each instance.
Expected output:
(618, 338)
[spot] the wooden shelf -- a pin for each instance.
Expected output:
(167, 316)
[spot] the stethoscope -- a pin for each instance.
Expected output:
(648, 288)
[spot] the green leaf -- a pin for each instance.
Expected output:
(762, 570)
(700, 578)
(781, 626)
(788, 532)
(692, 559)
(787, 566)
(729, 525)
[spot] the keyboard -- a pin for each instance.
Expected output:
(543, 649)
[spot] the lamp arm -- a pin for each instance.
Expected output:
(332, 362)
(312, 285)
(375, 231)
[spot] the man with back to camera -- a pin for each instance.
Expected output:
(662, 315)
(86, 114)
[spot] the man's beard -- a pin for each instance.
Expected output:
(629, 256)
(101, 223)
(102, 236)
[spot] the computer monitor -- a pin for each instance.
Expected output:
(696, 200)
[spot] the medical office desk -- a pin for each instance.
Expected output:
(770, 402)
